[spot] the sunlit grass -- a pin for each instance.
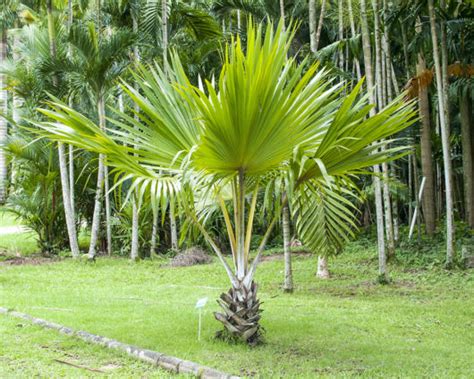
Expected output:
(421, 325)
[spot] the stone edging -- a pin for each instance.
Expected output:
(163, 361)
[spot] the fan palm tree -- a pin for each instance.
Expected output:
(265, 118)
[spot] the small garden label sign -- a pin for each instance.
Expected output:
(200, 304)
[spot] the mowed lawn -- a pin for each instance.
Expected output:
(420, 326)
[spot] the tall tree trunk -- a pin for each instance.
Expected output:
(288, 284)
(323, 271)
(135, 208)
(366, 46)
(282, 12)
(68, 212)
(467, 157)
(320, 26)
(16, 105)
(154, 233)
(312, 25)
(100, 184)
(173, 228)
(382, 101)
(71, 148)
(68, 206)
(3, 121)
(164, 25)
(353, 34)
(108, 208)
(429, 210)
(444, 140)
(340, 19)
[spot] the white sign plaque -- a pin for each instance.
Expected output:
(201, 303)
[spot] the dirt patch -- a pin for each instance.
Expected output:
(276, 257)
(190, 257)
(6, 260)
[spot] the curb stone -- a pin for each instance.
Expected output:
(163, 361)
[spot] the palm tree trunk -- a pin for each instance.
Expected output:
(320, 26)
(240, 304)
(323, 271)
(282, 12)
(16, 106)
(353, 34)
(288, 284)
(154, 233)
(241, 314)
(108, 210)
(3, 121)
(312, 25)
(100, 183)
(70, 222)
(366, 46)
(135, 242)
(467, 157)
(71, 148)
(429, 210)
(65, 185)
(341, 33)
(164, 25)
(173, 228)
(382, 101)
(444, 140)
(135, 208)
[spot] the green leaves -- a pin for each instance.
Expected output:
(261, 107)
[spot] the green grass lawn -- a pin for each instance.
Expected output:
(419, 326)
(28, 351)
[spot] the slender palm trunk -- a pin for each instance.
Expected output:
(70, 222)
(382, 101)
(135, 208)
(366, 46)
(444, 140)
(154, 233)
(135, 243)
(429, 210)
(467, 156)
(312, 25)
(164, 25)
(16, 107)
(288, 284)
(71, 148)
(173, 228)
(65, 186)
(341, 33)
(108, 209)
(3, 121)
(353, 34)
(100, 184)
(320, 25)
(282, 12)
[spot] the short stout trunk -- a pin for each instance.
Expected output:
(323, 271)
(241, 315)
